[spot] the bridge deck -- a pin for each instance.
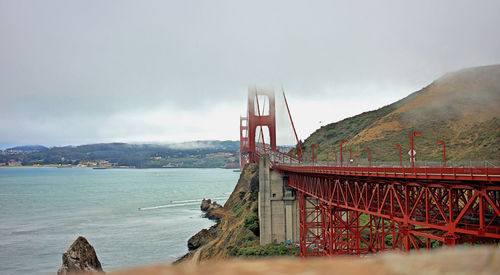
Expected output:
(487, 174)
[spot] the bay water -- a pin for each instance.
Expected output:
(132, 217)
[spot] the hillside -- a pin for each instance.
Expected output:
(237, 233)
(27, 148)
(210, 153)
(462, 108)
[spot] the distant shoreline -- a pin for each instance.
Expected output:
(104, 168)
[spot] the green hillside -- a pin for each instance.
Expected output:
(201, 154)
(462, 108)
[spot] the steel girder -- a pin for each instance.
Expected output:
(349, 215)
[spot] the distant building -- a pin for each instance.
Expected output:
(232, 165)
(104, 163)
(14, 163)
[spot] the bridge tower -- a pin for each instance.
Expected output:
(257, 118)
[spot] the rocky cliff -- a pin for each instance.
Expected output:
(231, 232)
(237, 231)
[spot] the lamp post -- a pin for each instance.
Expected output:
(444, 152)
(335, 157)
(413, 134)
(350, 156)
(326, 158)
(314, 146)
(341, 143)
(400, 160)
(369, 157)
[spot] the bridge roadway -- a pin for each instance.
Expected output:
(284, 162)
(482, 174)
(358, 210)
(420, 207)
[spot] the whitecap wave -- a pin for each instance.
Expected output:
(166, 206)
(178, 203)
(186, 201)
(197, 200)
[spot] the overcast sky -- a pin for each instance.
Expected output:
(77, 72)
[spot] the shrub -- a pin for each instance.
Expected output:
(252, 223)
(261, 251)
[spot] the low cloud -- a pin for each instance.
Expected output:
(79, 72)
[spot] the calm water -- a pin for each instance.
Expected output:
(43, 210)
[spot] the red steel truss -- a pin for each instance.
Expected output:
(486, 174)
(359, 210)
(357, 215)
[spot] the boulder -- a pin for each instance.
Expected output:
(80, 257)
(198, 239)
(205, 203)
(202, 237)
(210, 208)
(214, 215)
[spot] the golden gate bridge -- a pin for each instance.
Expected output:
(366, 209)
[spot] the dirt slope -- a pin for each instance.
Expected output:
(457, 260)
(462, 108)
(236, 228)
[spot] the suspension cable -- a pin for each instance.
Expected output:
(293, 126)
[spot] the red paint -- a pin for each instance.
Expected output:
(369, 156)
(415, 213)
(444, 153)
(413, 134)
(400, 159)
(341, 143)
(248, 150)
(314, 146)
(293, 126)
(416, 207)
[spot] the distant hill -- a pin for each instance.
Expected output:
(212, 153)
(27, 148)
(462, 108)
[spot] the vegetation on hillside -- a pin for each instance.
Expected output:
(237, 234)
(193, 154)
(461, 108)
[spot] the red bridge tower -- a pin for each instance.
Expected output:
(257, 118)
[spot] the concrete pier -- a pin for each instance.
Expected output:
(278, 207)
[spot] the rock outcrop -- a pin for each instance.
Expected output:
(202, 237)
(230, 232)
(211, 209)
(80, 257)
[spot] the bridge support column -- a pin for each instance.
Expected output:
(450, 239)
(312, 233)
(278, 207)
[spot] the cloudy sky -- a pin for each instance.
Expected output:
(76, 72)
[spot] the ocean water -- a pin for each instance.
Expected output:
(132, 217)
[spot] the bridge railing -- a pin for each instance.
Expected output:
(366, 163)
(417, 172)
(276, 156)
